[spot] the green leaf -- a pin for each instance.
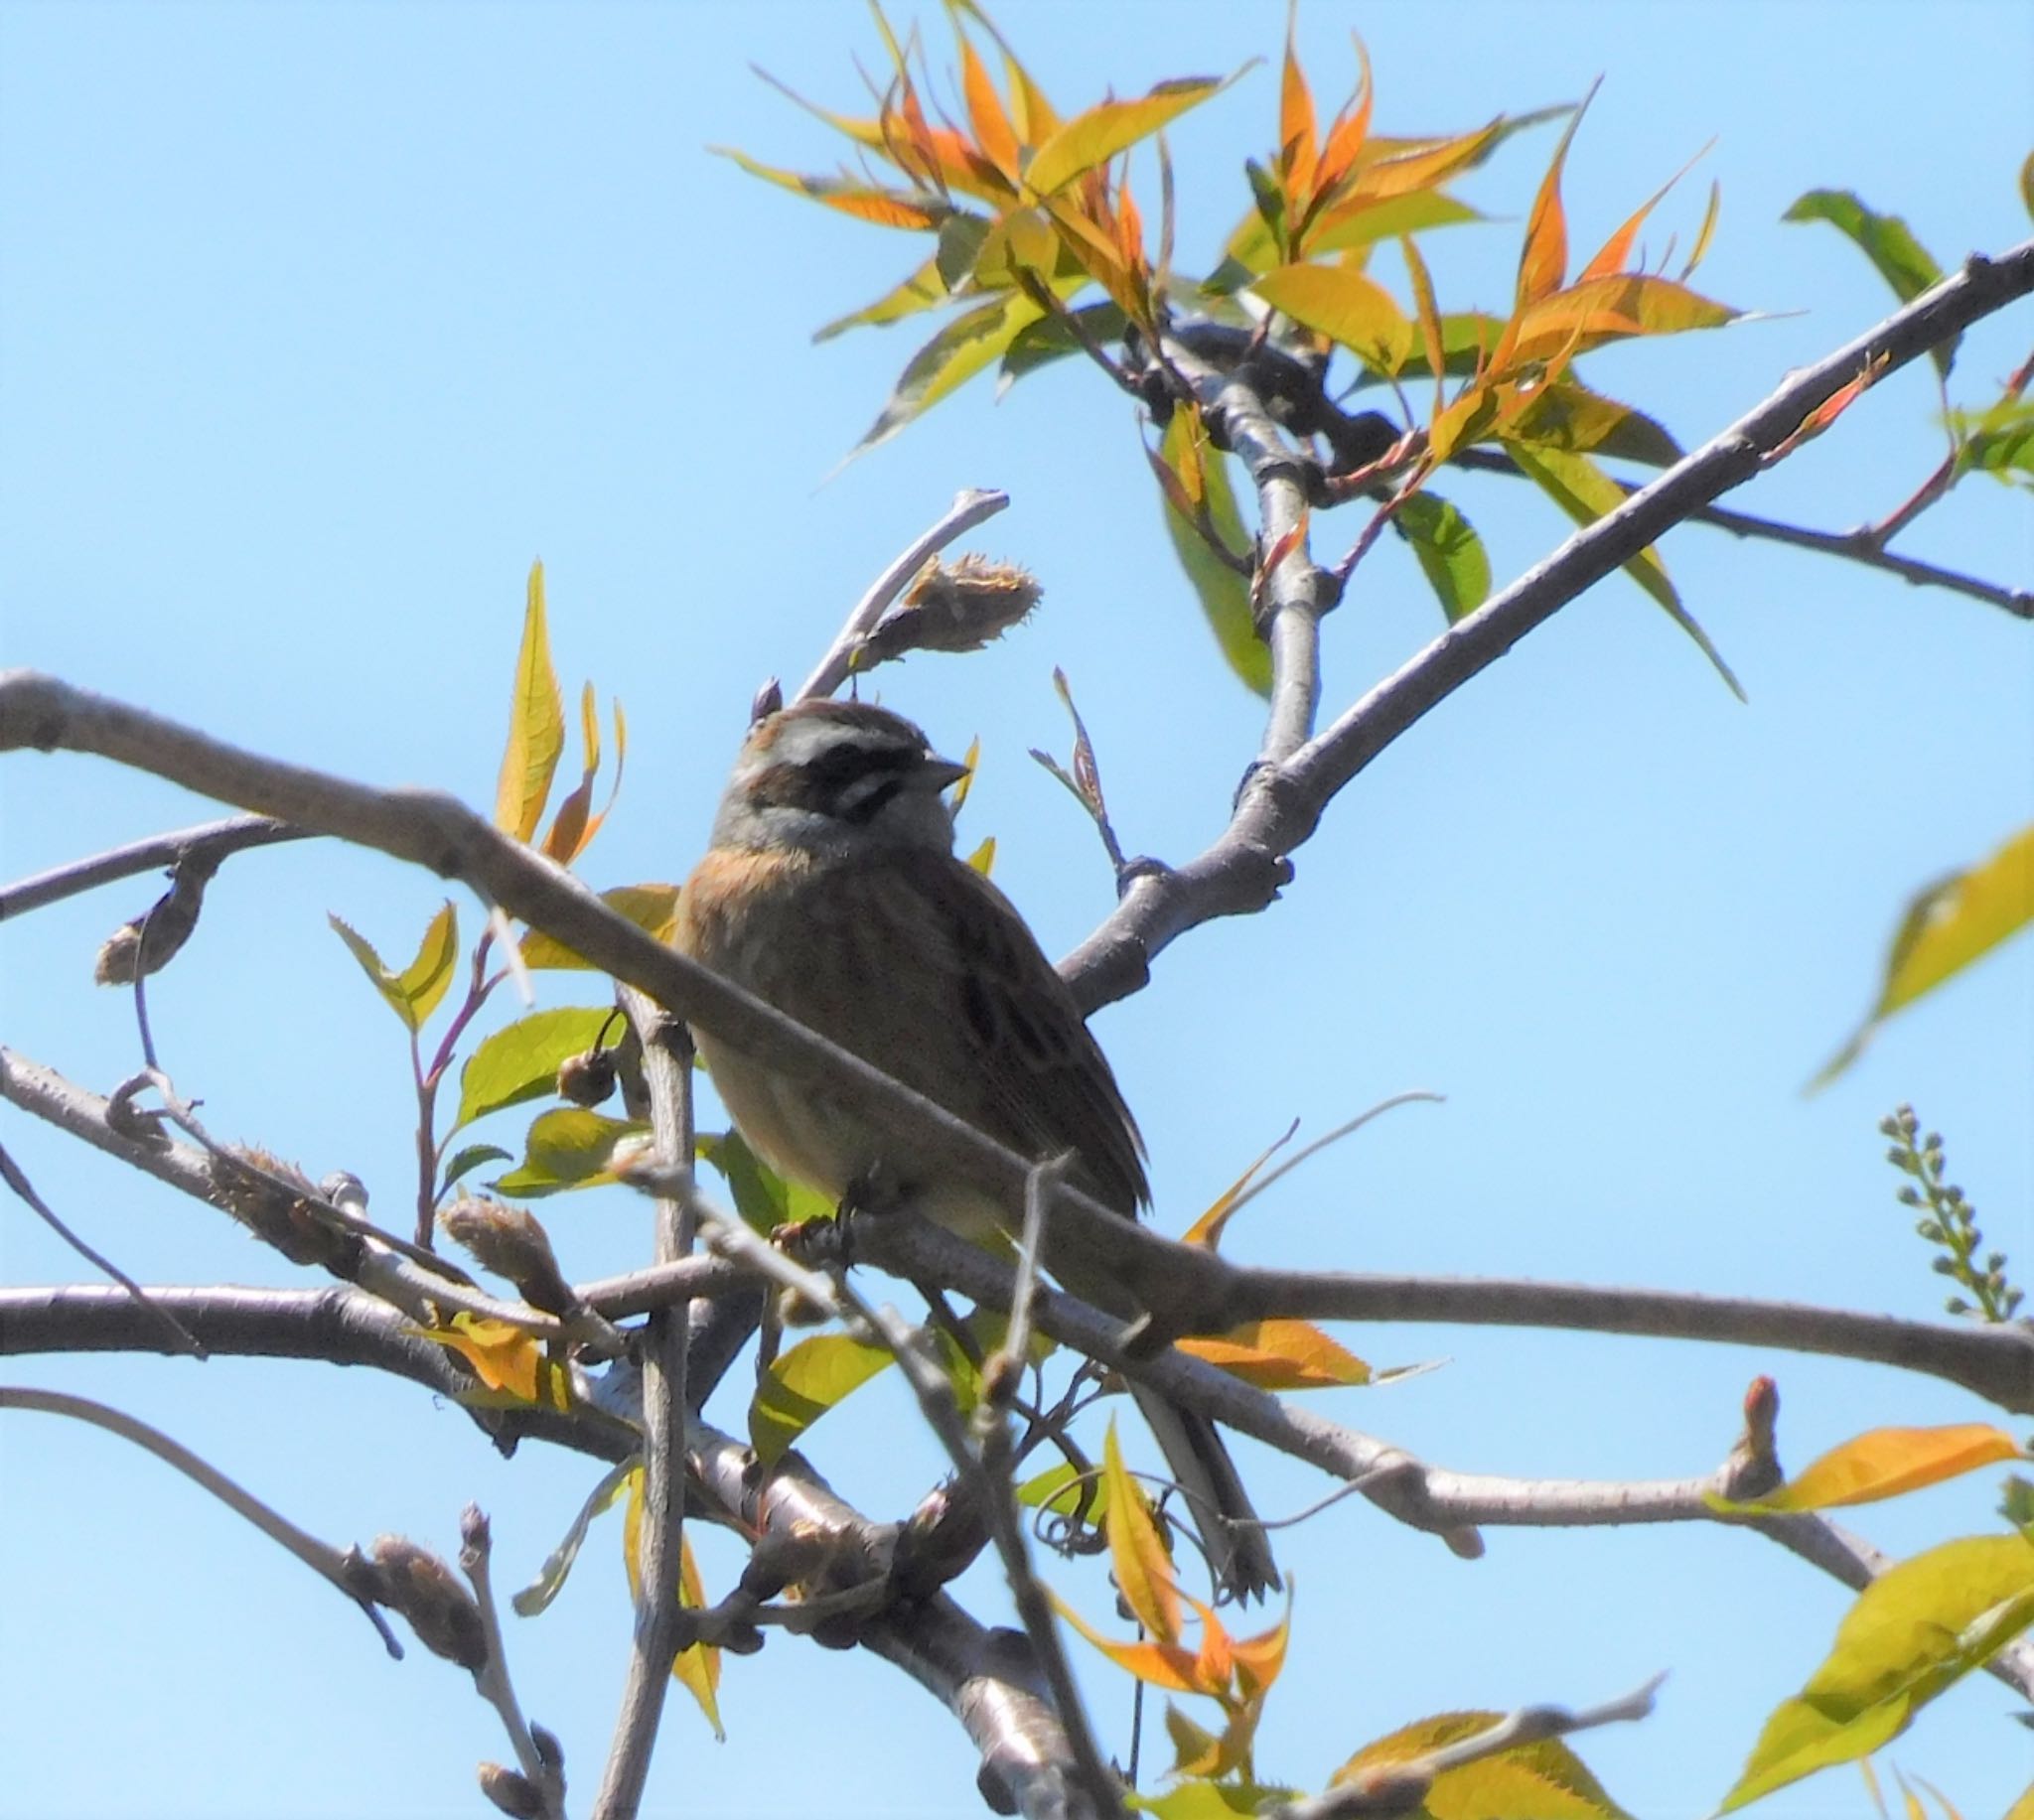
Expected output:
(536, 724)
(1451, 555)
(551, 1575)
(469, 1157)
(1998, 442)
(1918, 1628)
(1888, 242)
(1094, 137)
(521, 1061)
(802, 1384)
(1049, 338)
(1565, 415)
(1585, 492)
(1946, 927)
(1059, 1489)
(653, 908)
(1224, 595)
(932, 284)
(412, 994)
(948, 360)
(1347, 307)
(569, 1147)
(762, 1197)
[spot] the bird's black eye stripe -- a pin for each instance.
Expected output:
(854, 782)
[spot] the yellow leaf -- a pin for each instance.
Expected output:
(864, 200)
(1884, 1463)
(984, 858)
(1589, 314)
(536, 724)
(1546, 1780)
(1094, 137)
(502, 1357)
(653, 908)
(1136, 1550)
(1280, 1354)
(1343, 304)
(697, 1669)
(1945, 928)
(1920, 1626)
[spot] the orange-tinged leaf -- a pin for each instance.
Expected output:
(536, 724)
(1945, 928)
(1136, 1550)
(1428, 313)
(1404, 172)
(1467, 419)
(1031, 115)
(1919, 1628)
(1164, 1665)
(1544, 260)
(570, 828)
(993, 129)
(1351, 129)
(1612, 256)
(1260, 1659)
(1346, 306)
(1586, 316)
(1884, 1463)
(1281, 1355)
(502, 1357)
(1094, 137)
(865, 201)
(1207, 1231)
(1298, 148)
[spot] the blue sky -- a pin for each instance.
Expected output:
(319, 322)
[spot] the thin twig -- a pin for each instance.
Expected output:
(969, 508)
(213, 840)
(655, 1643)
(320, 1556)
(491, 1678)
(11, 1172)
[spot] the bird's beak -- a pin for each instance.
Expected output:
(938, 773)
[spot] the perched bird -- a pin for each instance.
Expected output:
(832, 891)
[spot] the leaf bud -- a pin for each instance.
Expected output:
(1942, 1267)
(414, 1581)
(1956, 1306)
(511, 1791)
(1909, 1196)
(510, 1241)
(952, 607)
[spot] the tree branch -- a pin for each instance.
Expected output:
(1281, 803)
(212, 841)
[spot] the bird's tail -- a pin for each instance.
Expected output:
(1237, 1548)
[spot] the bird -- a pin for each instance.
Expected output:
(832, 890)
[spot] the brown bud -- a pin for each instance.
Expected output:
(509, 1242)
(956, 608)
(150, 942)
(511, 1791)
(414, 1581)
